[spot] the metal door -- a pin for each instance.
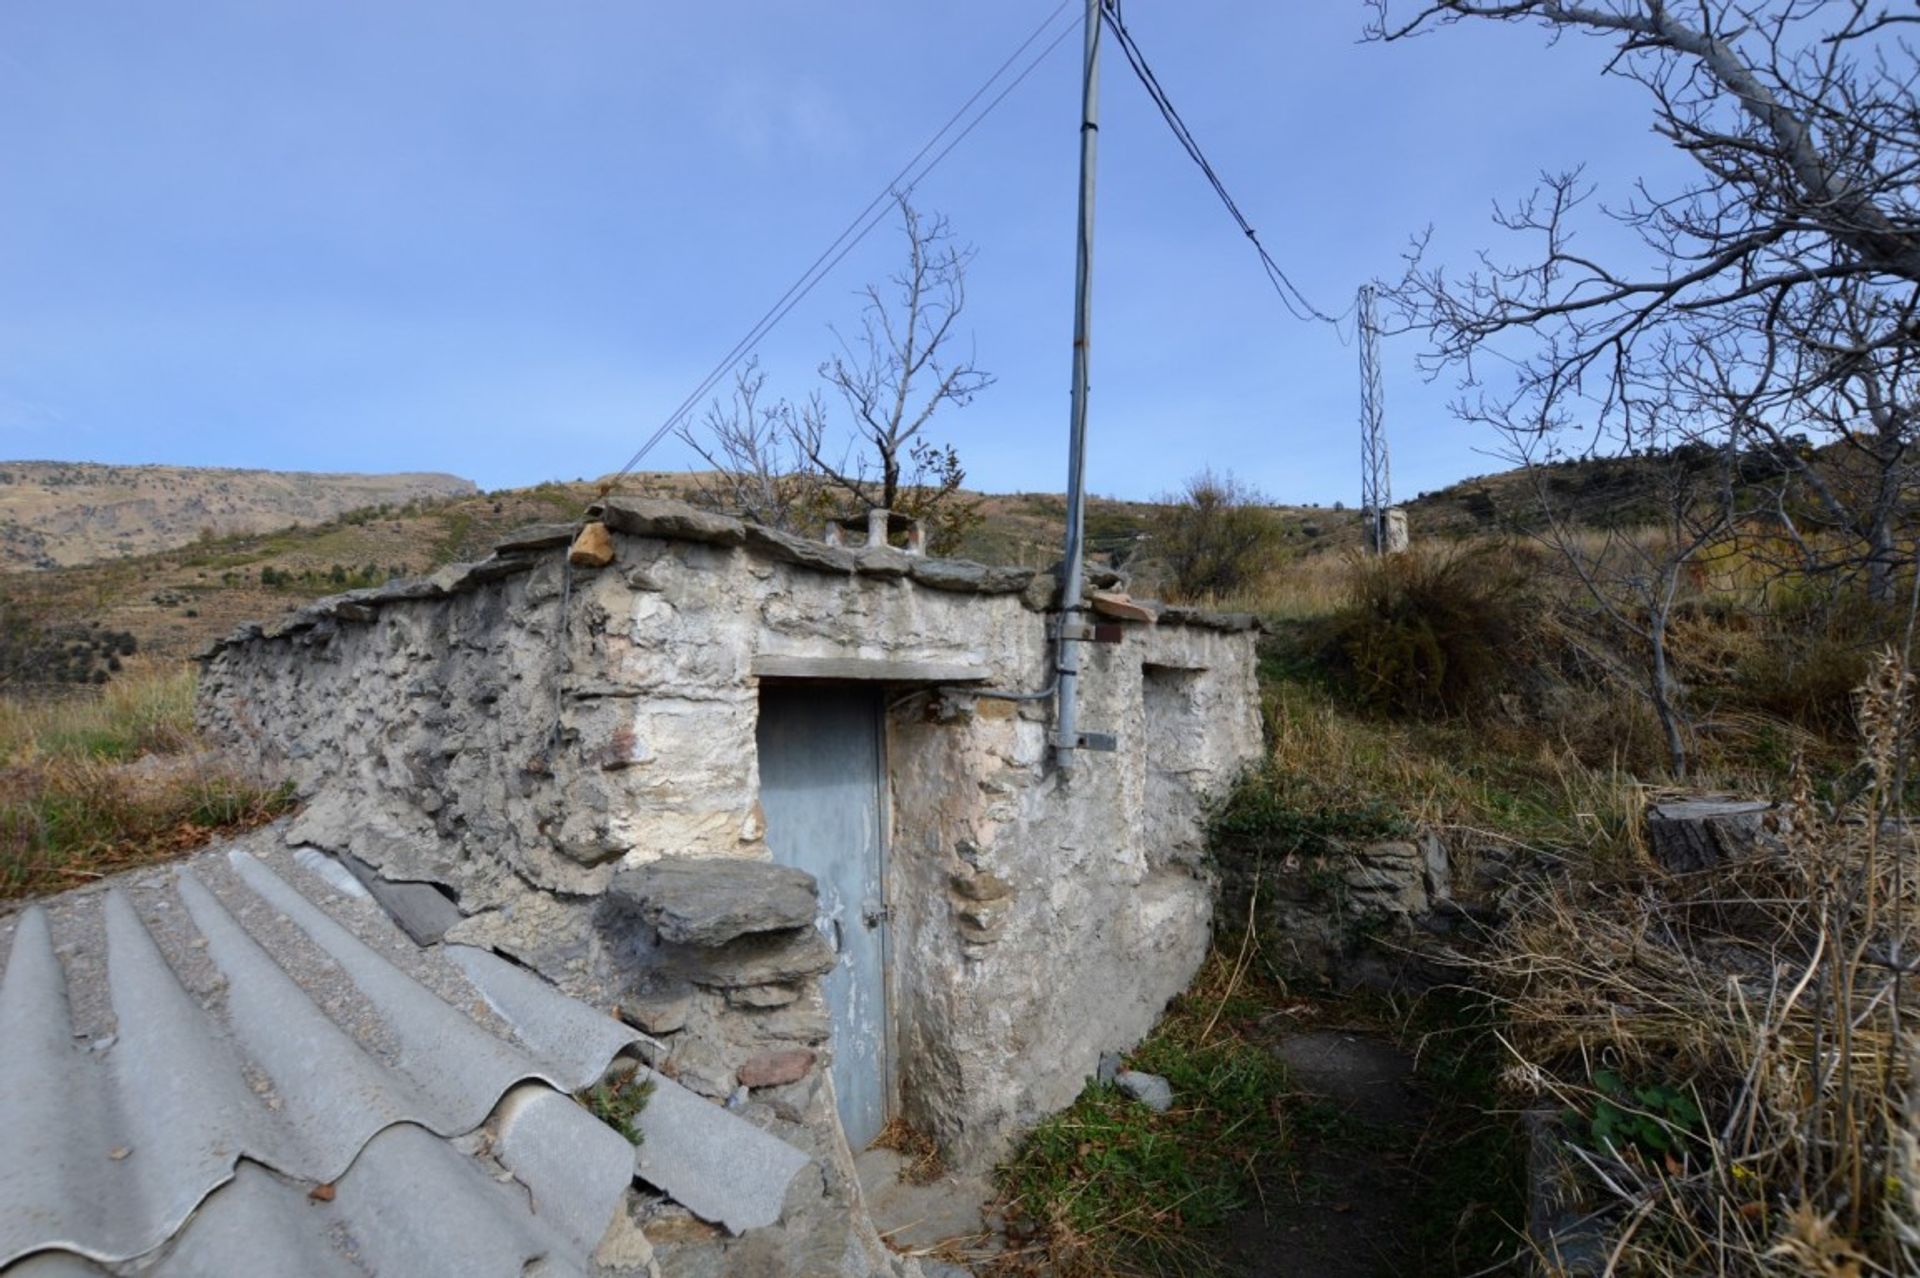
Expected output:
(821, 787)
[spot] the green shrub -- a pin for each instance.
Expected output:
(1216, 535)
(1428, 633)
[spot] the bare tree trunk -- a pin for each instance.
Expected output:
(1664, 694)
(1882, 558)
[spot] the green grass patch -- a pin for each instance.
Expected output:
(617, 1102)
(1470, 1214)
(1116, 1188)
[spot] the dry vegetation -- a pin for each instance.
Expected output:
(91, 783)
(1726, 1058)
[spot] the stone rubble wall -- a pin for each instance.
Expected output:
(520, 732)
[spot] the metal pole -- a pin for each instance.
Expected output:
(1376, 487)
(1066, 737)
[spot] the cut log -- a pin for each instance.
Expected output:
(1697, 834)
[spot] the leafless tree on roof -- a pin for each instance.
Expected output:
(800, 461)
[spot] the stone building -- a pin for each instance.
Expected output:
(608, 776)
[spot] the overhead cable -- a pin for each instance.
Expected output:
(863, 223)
(1290, 296)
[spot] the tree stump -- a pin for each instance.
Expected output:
(1697, 834)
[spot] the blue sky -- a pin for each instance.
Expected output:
(505, 239)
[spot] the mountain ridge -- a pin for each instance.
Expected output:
(58, 514)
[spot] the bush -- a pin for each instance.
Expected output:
(1428, 633)
(1807, 663)
(1216, 535)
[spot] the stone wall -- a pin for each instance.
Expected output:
(519, 732)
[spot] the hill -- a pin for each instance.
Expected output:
(172, 602)
(58, 514)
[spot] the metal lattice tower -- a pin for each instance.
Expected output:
(1376, 487)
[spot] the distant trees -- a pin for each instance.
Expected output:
(787, 463)
(1215, 534)
(1775, 292)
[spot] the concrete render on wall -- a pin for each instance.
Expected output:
(518, 732)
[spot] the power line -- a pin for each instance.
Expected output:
(1290, 296)
(862, 224)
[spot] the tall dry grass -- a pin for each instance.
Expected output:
(148, 709)
(97, 782)
(1753, 1026)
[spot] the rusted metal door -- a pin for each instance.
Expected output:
(822, 787)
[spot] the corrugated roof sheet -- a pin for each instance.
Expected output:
(185, 1055)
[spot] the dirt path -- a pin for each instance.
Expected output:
(1344, 1206)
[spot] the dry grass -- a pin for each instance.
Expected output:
(1476, 782)
(1752, 1027)
(923, 1164)
(149, 709)
(92, 784)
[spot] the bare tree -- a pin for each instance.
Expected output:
(789, 464)
(1775, 298)
(894, 376)
(1635, 569)
(757, 468)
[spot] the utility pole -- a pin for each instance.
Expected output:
(1376, 489)
(1066, 739)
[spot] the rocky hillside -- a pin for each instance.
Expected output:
(58, 514)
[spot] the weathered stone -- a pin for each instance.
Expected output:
(1122, 607)
(760, 997)
(1388, 877)
(713, 900)
(456, 578)
(593, 548)
(881, 561)
(497, 566)
(984, 915)
(1439, 868)
(675, 520)
(1151, 1090)
(767, 958)
(804, 551)
(1698, 834)
(776, 1069)
(660, 1010)
(982, 885)
(1042, 592)
(535, 537)
(1108, 1069)
(1563, 1225)
(400, 590)
(972, 578)
(1231, 622)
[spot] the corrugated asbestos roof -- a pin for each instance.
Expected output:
(186, 1055)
